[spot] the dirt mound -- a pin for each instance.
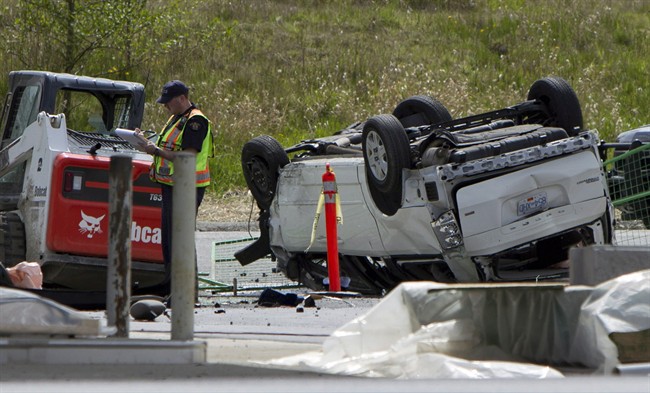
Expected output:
(232, 206)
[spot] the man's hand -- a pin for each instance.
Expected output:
(148, 146)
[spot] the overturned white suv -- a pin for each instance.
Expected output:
(501, 195)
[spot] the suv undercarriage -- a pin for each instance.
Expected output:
(501, 195)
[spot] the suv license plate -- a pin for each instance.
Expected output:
(532, 204)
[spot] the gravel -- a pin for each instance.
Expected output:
(232, 207)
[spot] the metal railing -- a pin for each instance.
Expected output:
(628, 177)
(228, 275)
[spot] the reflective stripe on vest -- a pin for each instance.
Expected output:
(162, 170)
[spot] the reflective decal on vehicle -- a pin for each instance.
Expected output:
(589, 180)
(40, 191)
(90, 225)
(145, 234)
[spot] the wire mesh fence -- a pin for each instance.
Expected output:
(228, 275)
(628, 176)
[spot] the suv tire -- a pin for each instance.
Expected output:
(421, 110)
(261, 159)
(386, 153)
(561, 101)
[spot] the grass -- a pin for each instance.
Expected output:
(296, 69)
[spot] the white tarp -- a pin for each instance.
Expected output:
(22, 312)
(432, 330)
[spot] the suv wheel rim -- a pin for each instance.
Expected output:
(376, 153)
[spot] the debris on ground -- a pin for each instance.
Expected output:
(273, 298)
(147, 310)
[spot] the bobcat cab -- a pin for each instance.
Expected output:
(57, 140)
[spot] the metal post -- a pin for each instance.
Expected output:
(183, 246)
(118, 284)
(330, 191)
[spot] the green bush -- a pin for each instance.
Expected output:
(296, 69)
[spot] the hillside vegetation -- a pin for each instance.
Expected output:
(296, 69)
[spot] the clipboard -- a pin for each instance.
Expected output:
(130, 136)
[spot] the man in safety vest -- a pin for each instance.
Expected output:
(187, 130)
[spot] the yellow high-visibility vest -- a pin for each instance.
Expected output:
(171, 138)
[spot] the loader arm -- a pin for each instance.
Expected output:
(13, 154)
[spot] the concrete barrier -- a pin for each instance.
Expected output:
(595, 264)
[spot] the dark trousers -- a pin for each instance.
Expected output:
(166, 226)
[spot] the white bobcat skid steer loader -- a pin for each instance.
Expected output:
(57, 140)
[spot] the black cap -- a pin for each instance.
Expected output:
(172, 89)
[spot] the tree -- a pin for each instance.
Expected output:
(92, 37)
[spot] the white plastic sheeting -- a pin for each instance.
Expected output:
(22, 312)
(432, 330)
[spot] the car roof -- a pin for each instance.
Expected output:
(641, 133)
(70, 81)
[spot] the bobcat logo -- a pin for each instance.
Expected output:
(90, 225)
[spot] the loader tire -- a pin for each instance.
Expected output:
(12, 239)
